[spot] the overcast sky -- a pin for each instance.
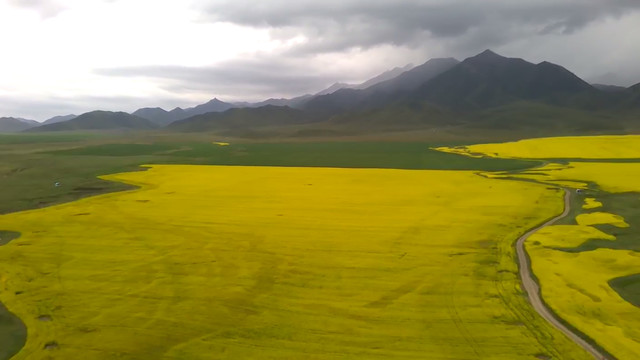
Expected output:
(72, 56)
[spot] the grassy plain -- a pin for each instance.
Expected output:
(588, 267)
(281, 263)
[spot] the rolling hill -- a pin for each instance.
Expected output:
(57, 119)
(11, 124)
(239, 118)
(99, 120)
(162, 117)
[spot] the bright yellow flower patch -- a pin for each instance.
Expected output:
(591, 203)
(601, 218)
(576, 286)
(573, 147)
(569, 236)
(281, 263)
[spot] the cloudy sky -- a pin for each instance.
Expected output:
(72, 56)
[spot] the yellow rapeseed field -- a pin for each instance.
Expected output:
(570, 147)
(601, 218)
(576, 287)
(591, 203)
(576, 284)
(208, 262)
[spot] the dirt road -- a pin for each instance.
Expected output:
(533, 290)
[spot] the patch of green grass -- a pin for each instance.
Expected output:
(626, 205)
(23, 138)
(13, 333)
(335, 154)
(7, 236)
(628, 287)
(118, 150)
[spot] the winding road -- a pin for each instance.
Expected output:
(533, 290)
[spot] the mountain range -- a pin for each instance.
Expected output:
(99, 120)
(483, 90)
(11, 124)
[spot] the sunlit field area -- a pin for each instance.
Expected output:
(571, 147)
(588, 266)
(207, 262)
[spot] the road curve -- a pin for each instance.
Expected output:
(533, 290)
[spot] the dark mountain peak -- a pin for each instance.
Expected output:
(635, 87)
(490, 59)
(549, 65)
(487, 55)
(488, 80)
(151, 108)
(213, 105)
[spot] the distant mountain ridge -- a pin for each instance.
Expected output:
(99, 120)
(57, 119)
(12, 125)
(387, 75)
(162, 117)
(489, 89)
(268, 115)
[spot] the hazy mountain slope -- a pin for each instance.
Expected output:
(295, 102)
(385, 76)
(11, 124)
(268, 115)
(300, 101)
(213, 105)
(379, 94)
(156, 115)
(57, 119)
(162, 117)
(99, 120)
(335, 87)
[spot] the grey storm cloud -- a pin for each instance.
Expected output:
(252, 77)
(338, 25)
